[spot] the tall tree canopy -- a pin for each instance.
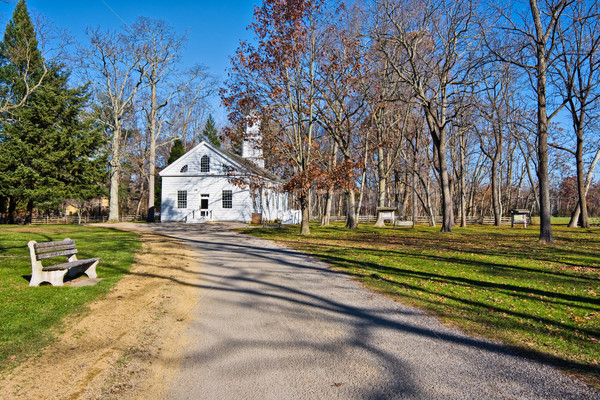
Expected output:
(48, 150)
(22, 67)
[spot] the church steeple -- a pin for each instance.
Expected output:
(252, 144)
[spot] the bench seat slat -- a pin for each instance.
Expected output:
(52, 244)
(72, 264)
(56, 254)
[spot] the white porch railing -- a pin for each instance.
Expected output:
(199, 216)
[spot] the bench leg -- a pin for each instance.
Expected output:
(36, 278)
(91, 271)
(55, 278)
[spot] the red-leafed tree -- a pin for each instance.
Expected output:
(275, 82)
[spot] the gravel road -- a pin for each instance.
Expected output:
(273, 323)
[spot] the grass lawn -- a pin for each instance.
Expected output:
(30, 317)
(564, 220)
(495, 282)
(553, 220)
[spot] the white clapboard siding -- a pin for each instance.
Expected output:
(212, 183)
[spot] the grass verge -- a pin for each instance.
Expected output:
(30, 317)
(494, 282)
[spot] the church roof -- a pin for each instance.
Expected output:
(249, 165)
(240, 164)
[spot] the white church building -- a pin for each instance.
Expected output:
(207, 184)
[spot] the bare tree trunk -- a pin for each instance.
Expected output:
(152, 155)
(581, 180)
(541, 43)
(12, 208)
(509, 174)
(115, 172)
(447, 215)
(29, 215)
(543, 169)
(351, 222)
(362, 188)
(304, 225)
(414, 196)
(381, 185)
(463, 207)
(404, 203)
(575, 216)
(496, 190)
(429, 207)
(327, 209)
(438, 136)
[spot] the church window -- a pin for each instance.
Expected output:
(227, 199)
(205, 164)
(182, 199)
(184, 168)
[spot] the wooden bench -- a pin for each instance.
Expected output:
(273, 225)
(55, 274)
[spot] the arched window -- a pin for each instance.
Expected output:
(205, 164)
(184, 168)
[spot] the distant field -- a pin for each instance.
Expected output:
(495, 282)
(31, 316)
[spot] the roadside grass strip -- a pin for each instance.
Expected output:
(30, 317)
(493, 282)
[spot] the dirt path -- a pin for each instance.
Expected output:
(121, 347)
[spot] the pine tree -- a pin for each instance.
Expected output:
(50, 152)
(176, 151)
(21, 71)
(210, 132)
(21, 63)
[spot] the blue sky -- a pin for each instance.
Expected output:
(214, 27)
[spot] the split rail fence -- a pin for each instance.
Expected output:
(74, 219)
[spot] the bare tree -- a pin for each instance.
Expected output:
(114, 66)
(190, 111)
(392, 115)
(430, 45)
(159, 51)
(495, 107)
(533, 47)
(576, 75)
(342, 109)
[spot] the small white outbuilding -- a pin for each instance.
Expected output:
(206, 184)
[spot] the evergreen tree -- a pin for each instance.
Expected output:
(21, 63)
(21, 71)
(176, 151)
(210, 133)
(49, 151)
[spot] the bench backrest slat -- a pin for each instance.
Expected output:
(41, 246)
(56, 254)
(54, 249)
